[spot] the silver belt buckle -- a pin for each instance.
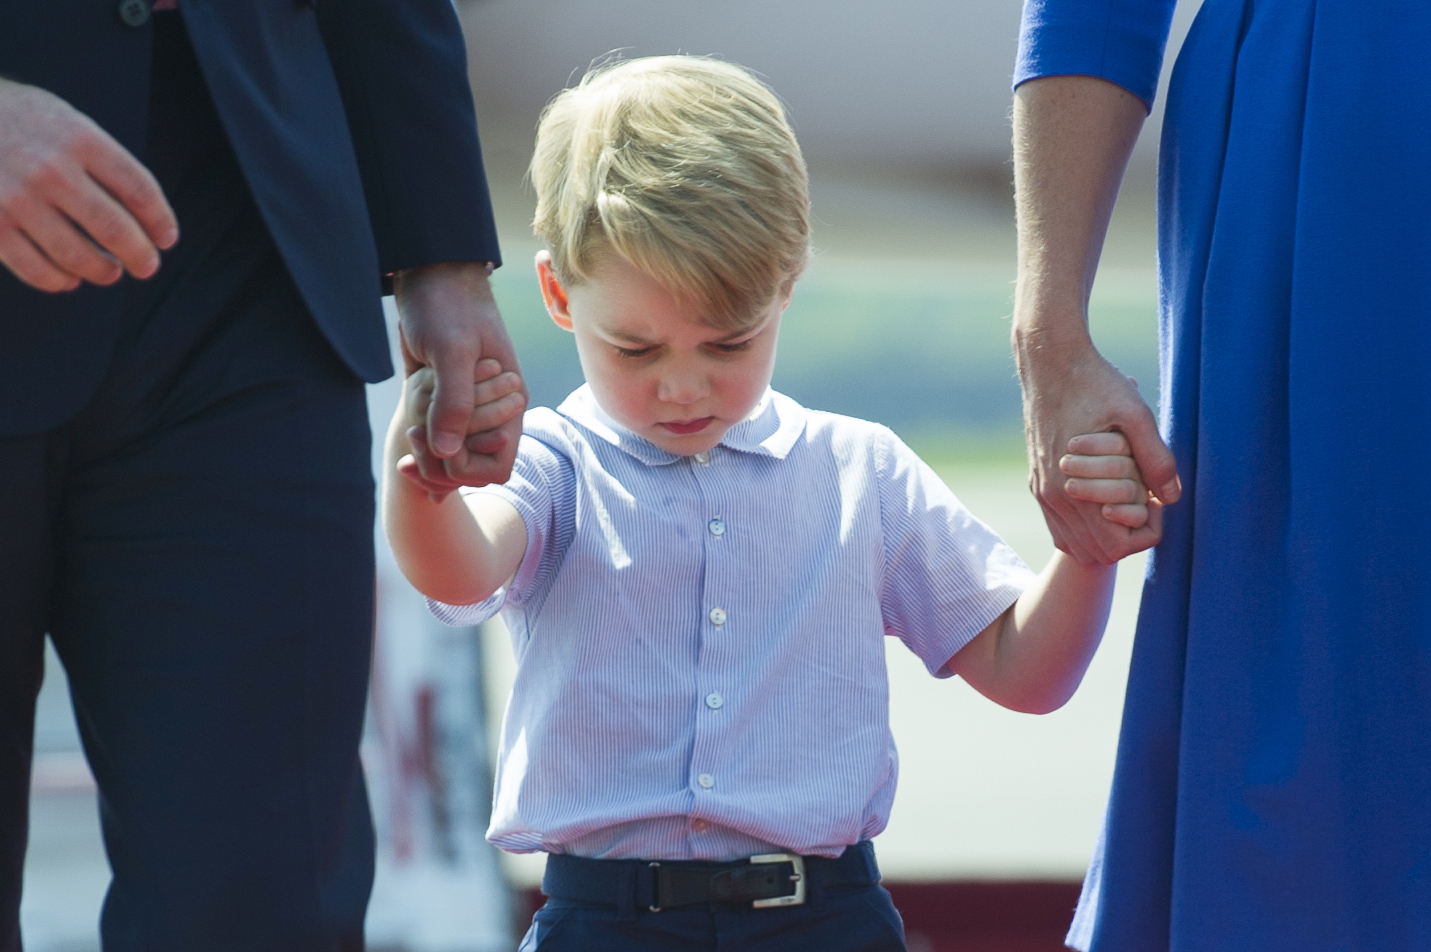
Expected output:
(797, 877)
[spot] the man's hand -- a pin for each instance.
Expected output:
(449, 322)
(1068, 395)
(75, 206)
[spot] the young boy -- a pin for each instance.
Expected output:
(698, 573)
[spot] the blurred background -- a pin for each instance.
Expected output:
(903, 317)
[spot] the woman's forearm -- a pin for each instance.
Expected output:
(1072, 139)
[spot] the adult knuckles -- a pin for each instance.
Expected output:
(109, 232)
(16, 202)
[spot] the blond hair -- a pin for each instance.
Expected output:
(686, 167)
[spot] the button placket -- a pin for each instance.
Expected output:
(715, 657)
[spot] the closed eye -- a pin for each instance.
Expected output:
(633, 353)
(734, 348)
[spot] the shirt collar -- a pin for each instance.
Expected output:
(771, 429)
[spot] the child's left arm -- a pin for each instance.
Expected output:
(1033, 656)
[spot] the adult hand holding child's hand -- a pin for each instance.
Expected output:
(449, 323)
(497, 397)
(1101, 469)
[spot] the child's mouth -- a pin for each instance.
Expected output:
(687, 427)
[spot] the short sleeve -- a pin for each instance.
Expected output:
(1121, 41)
(947, 575)
(543, 491)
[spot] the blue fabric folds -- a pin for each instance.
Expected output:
(1273, 785)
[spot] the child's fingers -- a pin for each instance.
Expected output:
(1099, 467)
(495, 387)
(494, 413)
(1131, 515)
(1100, 444)
(486, 369)
(1108, 491)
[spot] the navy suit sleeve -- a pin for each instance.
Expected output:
(1121, 41)
(402, 70)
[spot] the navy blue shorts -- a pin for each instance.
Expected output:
(838, 919)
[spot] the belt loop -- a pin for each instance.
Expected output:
(626, 892)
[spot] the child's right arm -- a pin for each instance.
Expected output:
(1033, 656)
(453, 549)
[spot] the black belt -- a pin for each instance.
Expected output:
(771, 879)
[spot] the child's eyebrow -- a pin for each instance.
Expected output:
(626, 337)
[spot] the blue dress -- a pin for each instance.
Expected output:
(1273, 781)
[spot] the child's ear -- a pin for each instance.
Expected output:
(553, 294)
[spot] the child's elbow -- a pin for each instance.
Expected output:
(1042, 705)
(1039, 699)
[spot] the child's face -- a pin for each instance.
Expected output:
(652, 365)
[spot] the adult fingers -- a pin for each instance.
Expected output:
(1155, 461)
(133, 187)
(24, 260)
(1111, 443)
(487, 442)
(110, 225)
(452, 398)
(60, 241)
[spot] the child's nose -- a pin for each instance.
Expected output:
(683, 387)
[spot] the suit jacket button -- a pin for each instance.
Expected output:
(134, 12)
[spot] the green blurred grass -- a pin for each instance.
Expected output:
(921, 346)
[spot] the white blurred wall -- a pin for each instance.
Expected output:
(916, 83)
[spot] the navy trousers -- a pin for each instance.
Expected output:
(835, 919)
(198, 543)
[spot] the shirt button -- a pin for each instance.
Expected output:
(134, 12)
(714, 701)
(717, 527)
(717, 616)
(700, 826)
(706, 780)
(703, 458)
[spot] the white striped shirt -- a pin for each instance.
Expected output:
(701, 668)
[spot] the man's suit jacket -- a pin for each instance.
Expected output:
(352, 121)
